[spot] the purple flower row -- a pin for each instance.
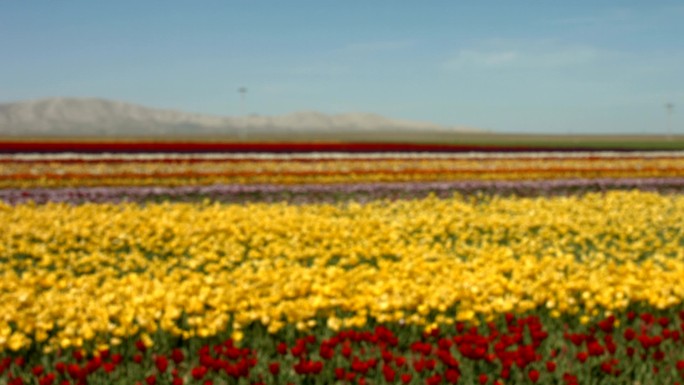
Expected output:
(307, 193)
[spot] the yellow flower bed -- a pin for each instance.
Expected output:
(103, 272)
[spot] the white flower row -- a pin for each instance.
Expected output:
(341, 155)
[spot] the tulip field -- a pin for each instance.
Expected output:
(340, 264)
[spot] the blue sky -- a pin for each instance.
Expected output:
(508, 66)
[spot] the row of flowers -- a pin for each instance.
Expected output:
(23, 173)
(171, 166)
(105, 157)
(101, 273)
(624, 349)
(334, 192)
(186, 179)
(141, 146)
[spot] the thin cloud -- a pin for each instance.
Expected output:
(517, 54)
(617, 15)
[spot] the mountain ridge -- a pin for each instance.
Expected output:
(103, 117)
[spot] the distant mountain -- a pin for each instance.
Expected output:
(99, 117)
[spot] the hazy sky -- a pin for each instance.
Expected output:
(528, 66)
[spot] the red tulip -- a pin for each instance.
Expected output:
(38, 370)
(274, 368)
(198, 372)
(534, 375)
(606, 367)
(434, 380)
(452, 375)
(658, 355)
(74, 371)
(663, 321)
(48, 379)
(388, 373)
(177, 356)
(607, 324)
(582, 357)
(648, 318)
(551, 366)
(340, 374)
(140, 345)
(595, 349)
(77, 355)
(161, 363)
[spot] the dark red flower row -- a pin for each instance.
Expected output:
(295, 159)
(518, 349)
(282, 147)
